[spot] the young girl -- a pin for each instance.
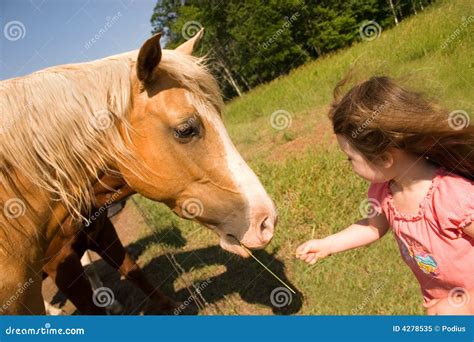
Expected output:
(420, 163)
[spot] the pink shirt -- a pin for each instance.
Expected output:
(431, 241)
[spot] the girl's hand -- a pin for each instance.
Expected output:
(313, 250)
(443, 306)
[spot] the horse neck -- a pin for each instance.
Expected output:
(85, 90)
(111, 188)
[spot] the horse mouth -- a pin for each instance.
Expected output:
(231, 244)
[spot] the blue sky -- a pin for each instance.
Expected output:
(40, 33)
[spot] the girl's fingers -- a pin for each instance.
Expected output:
(315, 257)
(309, 256)
(309, 253)
(301, 255)
(303, 249)
(308, 246)
(312, 257)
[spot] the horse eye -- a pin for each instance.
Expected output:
(186, 131)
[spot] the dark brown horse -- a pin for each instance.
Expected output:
(98, 234)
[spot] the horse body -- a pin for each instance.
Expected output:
(149, 117)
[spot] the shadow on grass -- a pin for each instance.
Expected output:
(243, 276)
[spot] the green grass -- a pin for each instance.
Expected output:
(311, 183)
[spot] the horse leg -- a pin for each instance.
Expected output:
(115, 308)
(91, 272)
(108, 245)
(66, 270)
(52, 311)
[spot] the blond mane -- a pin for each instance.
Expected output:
(60, 127)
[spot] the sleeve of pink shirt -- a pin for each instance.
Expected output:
(453, 204)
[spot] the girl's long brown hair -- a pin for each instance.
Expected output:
(379, 114)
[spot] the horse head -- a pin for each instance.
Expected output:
(186, 157)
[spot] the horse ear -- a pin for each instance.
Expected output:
(148, 58)
(188, 46)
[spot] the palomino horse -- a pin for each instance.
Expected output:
(150, 116)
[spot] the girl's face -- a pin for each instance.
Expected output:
(374, 173)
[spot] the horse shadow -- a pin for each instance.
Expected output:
(244, 277)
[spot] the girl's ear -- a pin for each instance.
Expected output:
(386, 159)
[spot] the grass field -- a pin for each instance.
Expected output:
(311, 182)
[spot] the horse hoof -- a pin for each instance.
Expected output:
(52, 311)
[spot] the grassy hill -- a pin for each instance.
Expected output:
(311, 182)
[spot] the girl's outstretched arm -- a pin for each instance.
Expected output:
(358, 234)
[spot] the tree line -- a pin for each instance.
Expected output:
(251, 42)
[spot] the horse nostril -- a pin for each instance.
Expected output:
(266, 228)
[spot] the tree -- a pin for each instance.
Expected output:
(251, 42)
